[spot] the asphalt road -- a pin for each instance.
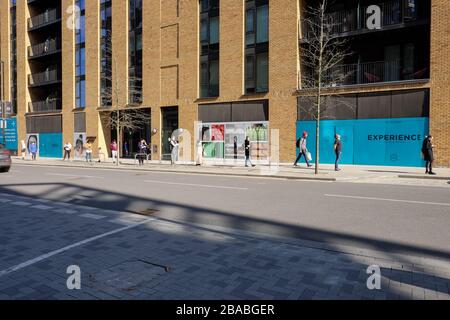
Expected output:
(391, 218)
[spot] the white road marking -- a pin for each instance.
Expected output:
(92, 216)
(67, 248)
(21, 204)
(73, 176)
(390, 200)
(42, 207)
(65, 211)
(194, 185)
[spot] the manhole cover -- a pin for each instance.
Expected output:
(126, 277)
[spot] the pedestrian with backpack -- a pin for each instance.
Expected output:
(301, 144)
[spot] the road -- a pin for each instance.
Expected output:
(400, 226)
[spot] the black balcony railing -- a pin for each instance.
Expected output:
(41, 49)
(48, 76)
(367, 73)
(49, 16)
(393, 12)
(49, 105)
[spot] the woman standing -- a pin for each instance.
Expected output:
(427, 151)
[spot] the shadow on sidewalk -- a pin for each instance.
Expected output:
(202, 217)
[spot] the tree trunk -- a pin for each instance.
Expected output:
(118, 137)
(319, 92)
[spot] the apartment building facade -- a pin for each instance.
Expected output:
(224, 70)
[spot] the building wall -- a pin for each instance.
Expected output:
(440, 80)
(171, 67)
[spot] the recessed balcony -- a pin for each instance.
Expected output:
(49, 47)
(48, 77)
(49, 105)
(367, 73)
(46, 18)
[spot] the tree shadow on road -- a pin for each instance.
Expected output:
(206, 218)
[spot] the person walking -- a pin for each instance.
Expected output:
(67, 151)
(113, 146)
(174, 153)
(125, 148)
(24, 149)
(302, 145)
(199, 153)
(427, 151)
(337, 151)
(88, 150)
(33, 150)
(247, 146)
(142, 147)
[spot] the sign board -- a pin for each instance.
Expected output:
(6, 109)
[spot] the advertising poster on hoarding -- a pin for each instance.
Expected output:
(79, 142)
(32, 140)
(10, 138)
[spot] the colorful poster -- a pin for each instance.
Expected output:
(79, 142)
(10, 139)
(218, 132)
(32, 139)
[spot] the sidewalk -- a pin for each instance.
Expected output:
(283, 171)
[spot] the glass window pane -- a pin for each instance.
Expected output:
(262, 72)
(214, 77)
(204, 31)
(214, 30)
(249, 22)
(262, 24)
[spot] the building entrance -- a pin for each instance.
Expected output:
(169, 117)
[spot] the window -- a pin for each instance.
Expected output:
(106, 53)
(257, 46)
(80, 58)
(135, 52)
(13, 61)
(210, 46)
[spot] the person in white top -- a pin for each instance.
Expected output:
(24, 149)
(175, 146)
(67, 151)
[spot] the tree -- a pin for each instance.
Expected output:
(119, 115)
(322, 54)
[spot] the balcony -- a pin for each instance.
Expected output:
(354, 21)
(49, 105)
(43, 49)
(49, 76)
(48, 17)
(372, 73)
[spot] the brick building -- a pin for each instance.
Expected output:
(223, 70)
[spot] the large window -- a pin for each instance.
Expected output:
(135, 52)
(256, 46)
(13, 61)
(80, 58)
(209, 48)
(106, 52)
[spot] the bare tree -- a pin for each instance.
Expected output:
(322, 54)
(117, 114)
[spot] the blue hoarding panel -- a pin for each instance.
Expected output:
(389, 142)
(10, 134)
(50, 145)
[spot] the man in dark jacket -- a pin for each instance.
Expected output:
(247, 146)
(427, 151)
(337, 151)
